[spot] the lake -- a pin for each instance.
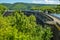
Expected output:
(56, 15)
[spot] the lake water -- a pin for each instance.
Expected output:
(57, 15)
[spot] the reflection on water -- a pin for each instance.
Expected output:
(57, 15)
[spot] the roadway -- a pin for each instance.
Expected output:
(55, 21)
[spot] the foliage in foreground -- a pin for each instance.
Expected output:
(20, 27)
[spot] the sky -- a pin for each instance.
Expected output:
(32, 1)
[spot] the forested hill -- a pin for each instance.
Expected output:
(24, 6)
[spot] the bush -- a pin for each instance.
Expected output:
(20, 27)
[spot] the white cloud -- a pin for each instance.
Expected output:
(46, 2)
(53, 2)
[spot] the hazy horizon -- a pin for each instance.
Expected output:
(32, 1)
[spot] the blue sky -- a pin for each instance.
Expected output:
(32, 1)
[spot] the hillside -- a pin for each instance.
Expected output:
(24, 6)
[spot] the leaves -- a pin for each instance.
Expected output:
(20, 27)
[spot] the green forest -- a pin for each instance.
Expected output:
(18, 26)
(52, 8)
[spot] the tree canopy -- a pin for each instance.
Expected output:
(20, 27)
(3, 8)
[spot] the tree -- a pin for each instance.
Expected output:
(20, 27)
(48, 8)
(3, 8)
(58, 9)
(44, 8)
